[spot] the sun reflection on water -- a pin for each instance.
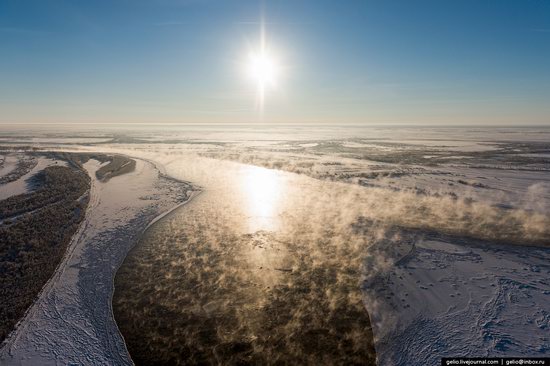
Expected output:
(262, 194)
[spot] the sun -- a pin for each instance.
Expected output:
(263, 69)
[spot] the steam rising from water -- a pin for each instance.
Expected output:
(245, 273)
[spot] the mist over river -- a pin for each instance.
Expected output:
(263, 267)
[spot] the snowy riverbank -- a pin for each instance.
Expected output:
(71, 322)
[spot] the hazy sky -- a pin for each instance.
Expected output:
(373, 62)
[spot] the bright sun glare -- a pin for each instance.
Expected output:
(263, 69)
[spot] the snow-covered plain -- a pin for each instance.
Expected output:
(448, 296)
(71, 322)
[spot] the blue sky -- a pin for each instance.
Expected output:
(351, 62)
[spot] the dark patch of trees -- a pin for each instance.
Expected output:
(57, 184)
(118, 164)
(35, 230)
